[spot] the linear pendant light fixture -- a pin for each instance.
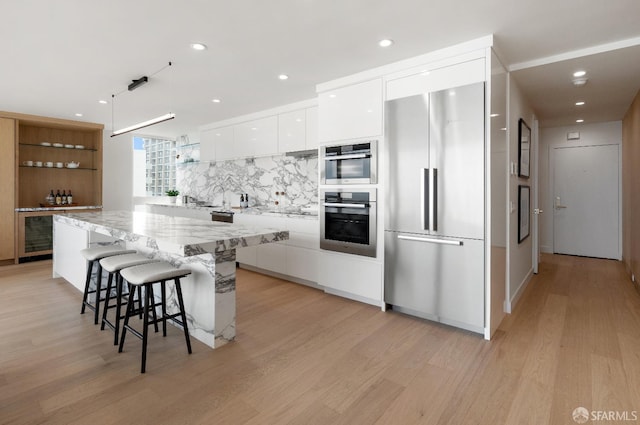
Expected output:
(144, 124)
(131, 87)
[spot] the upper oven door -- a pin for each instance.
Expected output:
(349, 163)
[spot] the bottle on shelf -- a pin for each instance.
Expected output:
(241, 200)
(64, 197)
(69, 198)
(246, 200)
(58, 198)
(51, 198)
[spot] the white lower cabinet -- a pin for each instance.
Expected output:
(247, 255)
(351, 276)
(296, 257)
(272, 257)
(302, 263)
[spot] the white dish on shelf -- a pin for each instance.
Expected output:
(58, 145)
(45, 143)
(69, 146)
(79, 146)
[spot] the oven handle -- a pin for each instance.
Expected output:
(340, 205)
(352, 156)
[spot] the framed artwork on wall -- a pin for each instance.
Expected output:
(524, 212)
(524, 149)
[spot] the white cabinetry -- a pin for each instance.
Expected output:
(223, 143)
(296, 257)
(351, 276)
(256, 137)
(311, 115)
(298, 130)
(461, 74)
(208, 145)
(292, 131)
(350, 112)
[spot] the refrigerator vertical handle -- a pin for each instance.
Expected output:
(434, 201)
(424, 198)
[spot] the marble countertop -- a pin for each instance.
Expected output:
(258, 210)
(61, 207)
(176, 235)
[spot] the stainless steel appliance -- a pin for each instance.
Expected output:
(348, 221)
(434, 217)
(353, 163)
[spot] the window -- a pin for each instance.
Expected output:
(160, 167)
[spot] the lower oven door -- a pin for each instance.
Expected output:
(349, 228)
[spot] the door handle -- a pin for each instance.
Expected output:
(557, 205)
(537, 211)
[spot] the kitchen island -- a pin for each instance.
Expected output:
(207, 248)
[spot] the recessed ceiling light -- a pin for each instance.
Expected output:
(580, 73)
(283, 76)
(580, 120)
(332, 96)
(103, 102)
(216, 100)
(198, 46)
(579, 103)
(385, 43)
(78, 114)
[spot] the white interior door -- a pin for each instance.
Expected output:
(586, 203)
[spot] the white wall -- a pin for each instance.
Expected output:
(117, 178)
(590, 134)
(520, 265)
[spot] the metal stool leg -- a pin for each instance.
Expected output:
(105, 308)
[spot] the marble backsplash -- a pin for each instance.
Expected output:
(260, 178)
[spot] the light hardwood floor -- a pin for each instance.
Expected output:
(304, 357)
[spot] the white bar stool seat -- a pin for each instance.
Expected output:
(113, 265)
(147, 275)
(94, 255)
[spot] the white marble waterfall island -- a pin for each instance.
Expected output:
(207, 248)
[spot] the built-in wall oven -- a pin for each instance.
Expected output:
(348, 221)
(349, 163)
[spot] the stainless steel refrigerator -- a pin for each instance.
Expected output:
(435, 215)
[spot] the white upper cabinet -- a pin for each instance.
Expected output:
(208, 145)
(457, 75)
(311, 115)
(223, 143)
(350, 112)
(292, 131)
(257, 137)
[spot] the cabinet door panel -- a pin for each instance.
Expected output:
(208, 145)
(272, 257)
(223, 143)
(350, 112)
(7, 188)
(302, 263)
(312, 128)
(292, 131)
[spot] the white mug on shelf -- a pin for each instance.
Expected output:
(48, 164)
(38, 163)
(59, 164)
(27, 163)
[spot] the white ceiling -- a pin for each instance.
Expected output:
(60, 57)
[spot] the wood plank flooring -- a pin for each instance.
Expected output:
(304, 357)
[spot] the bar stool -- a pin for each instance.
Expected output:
(113, 265)
(147, 275)
(93, 256)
